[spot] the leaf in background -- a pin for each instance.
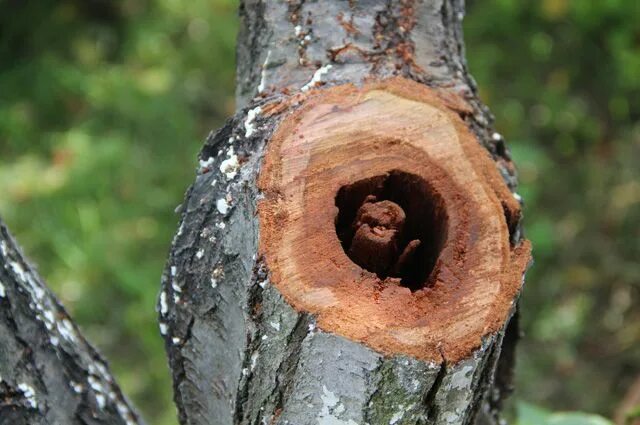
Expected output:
(529, 414)
(577, 419)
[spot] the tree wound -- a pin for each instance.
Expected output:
(385, 218)
(393, 225)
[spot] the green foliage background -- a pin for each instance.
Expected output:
(103, 106)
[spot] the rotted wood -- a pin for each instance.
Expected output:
(350, 251)
(49, 374)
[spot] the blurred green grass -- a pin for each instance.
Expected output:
(104, 105)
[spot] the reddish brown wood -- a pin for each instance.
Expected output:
(402, 141)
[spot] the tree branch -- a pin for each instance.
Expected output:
(49, 373)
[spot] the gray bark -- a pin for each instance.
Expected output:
(238, 352)
(49, 374)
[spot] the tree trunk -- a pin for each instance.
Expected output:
(49, 374)
(350, 252)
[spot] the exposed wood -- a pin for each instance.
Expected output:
(49, 374)
(345, 136)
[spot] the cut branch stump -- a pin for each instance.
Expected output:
(271, 316)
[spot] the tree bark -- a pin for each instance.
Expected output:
(49, 374)
(246, 348)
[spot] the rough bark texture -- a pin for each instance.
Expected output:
(240, 354)
(49, 374)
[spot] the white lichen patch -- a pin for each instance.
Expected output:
(103, 372)
(176, 340)
(496, 136)
(263, 76)
(2, 291)
(222, 206)
(174, 271)
(328, 398)
(163, 328)
(214, 282)
(37, 290)
(100, 392)
(317, 77)
(205, 165)
(164, 307)
(101, 400)
(18, 270)
(254, 360)
(517, 197)
(297, 30)
(101, 382)
(176, 288)
(275, 325)
(397, 416)
(65, 328)
(249, 123)
(42, 304)
(229, 167)
(49, 320)
(461, 379)
(331, 408)
(124, 411)
(29, 394)
(77, 388)
(200, 254)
